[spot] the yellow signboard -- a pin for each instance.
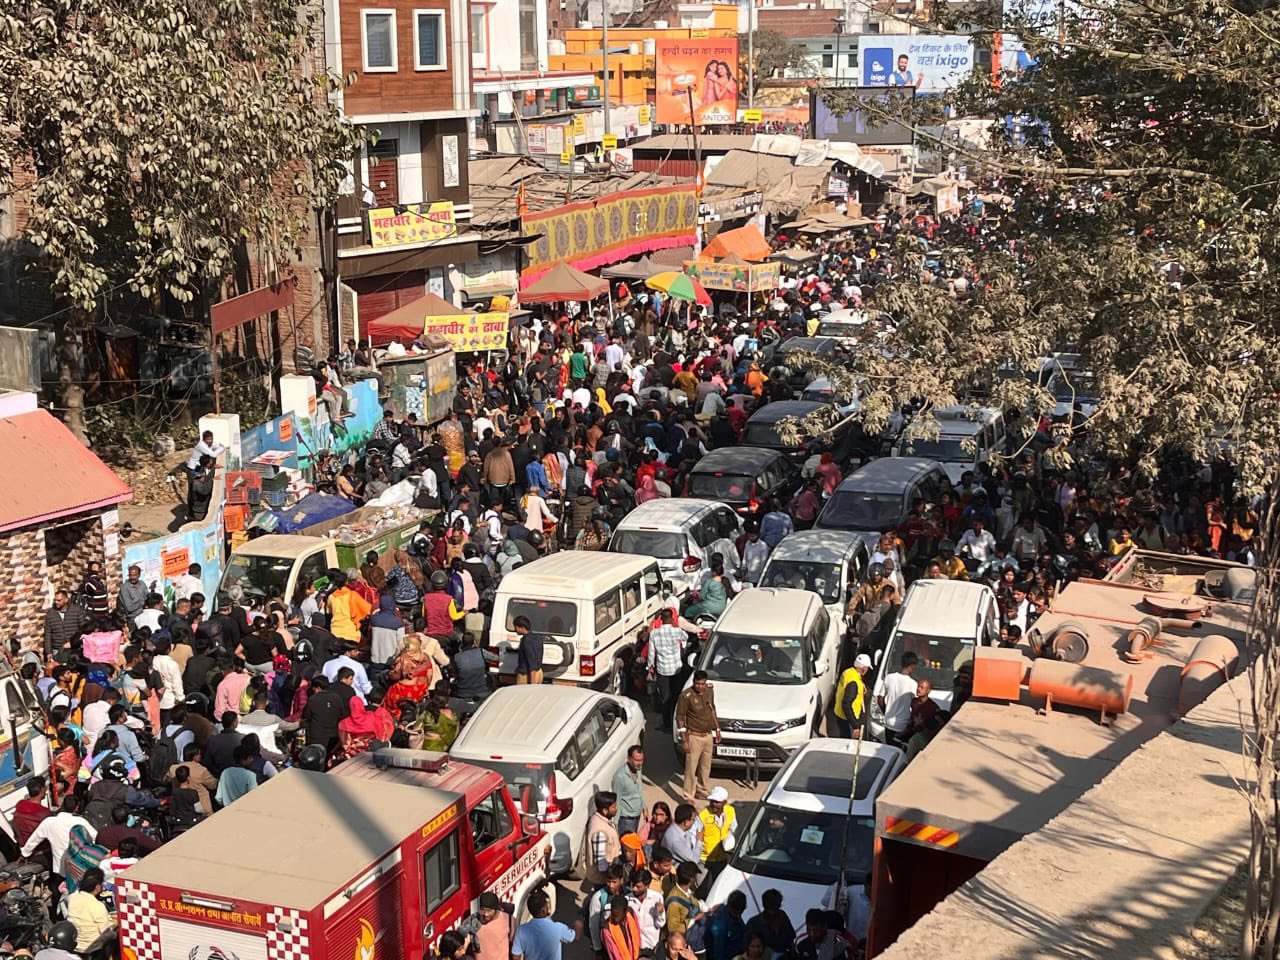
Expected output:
(609, 141)
(566, 156)
(471, 332)
(643, 115)
(579, 124)
(419, 223)
(698, 34)
(752, 116)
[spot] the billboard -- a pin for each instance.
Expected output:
(865, 123)
(705, 68)
(929, 63)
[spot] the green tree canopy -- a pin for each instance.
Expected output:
(161, 135)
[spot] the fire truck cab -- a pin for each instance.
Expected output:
(375, 860)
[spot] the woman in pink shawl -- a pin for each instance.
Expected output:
(647, 490)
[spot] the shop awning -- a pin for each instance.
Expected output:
(746, 242)
(562, 283)
(406, 323)
(640, 269)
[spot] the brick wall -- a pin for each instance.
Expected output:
(37, 560)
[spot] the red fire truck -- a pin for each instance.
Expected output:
(373, 862)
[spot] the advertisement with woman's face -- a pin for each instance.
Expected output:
(701, 74)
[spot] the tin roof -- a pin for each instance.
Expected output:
(46, 473)
(293, 842)
(999, 771)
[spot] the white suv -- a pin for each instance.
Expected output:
(682, 534)
(771, 659)
(556, 747)
(802, 830)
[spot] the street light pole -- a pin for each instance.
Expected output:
(604, 13)
(838, 24)
(751, 53)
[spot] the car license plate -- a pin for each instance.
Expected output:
(738, 753)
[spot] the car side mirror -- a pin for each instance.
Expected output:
(530, 825)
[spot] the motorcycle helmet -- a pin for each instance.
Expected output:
(875, 570)
(303, 650)
(196, 702)
(536, 539)
(115, 769)
(599, 513)
(439, 580)
(946, 546)
(470, 551)
(63, 935)
(313, 757)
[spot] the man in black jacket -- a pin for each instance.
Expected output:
(326, 707)
(220, 753)
(63, 622)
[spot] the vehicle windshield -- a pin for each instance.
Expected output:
(720, 486)
(820, 578)
(528, 783)
(556, 617)
(851, 510)
(940, 657)
(258, 576)
(766, 435)
(738, 659)
(945, 449)
(1075, 384)
(650, 543)
(835, 328)
(806, 846)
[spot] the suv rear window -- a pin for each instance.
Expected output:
(720, 486)
(556, 617)
(650, 543)
(851, 510)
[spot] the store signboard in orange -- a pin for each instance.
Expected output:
(707, 68)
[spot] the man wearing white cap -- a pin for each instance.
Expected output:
(719, 821)
(851, 695)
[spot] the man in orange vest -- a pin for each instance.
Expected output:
(620, 933)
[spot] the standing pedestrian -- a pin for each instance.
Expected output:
(899, 690)
(666, 662)
(620, 931)
(650, 910)
(699, 730)
(719, 825)
(851, 695)
(529, 655)
(602, 844)
(542, 938)
(628, 787)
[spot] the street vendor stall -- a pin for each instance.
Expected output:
(465, 332)
(421, 381)
(735, 274)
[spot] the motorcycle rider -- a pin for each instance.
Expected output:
(62, 942)
(440, 611)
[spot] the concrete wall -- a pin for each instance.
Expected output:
(19, 359)
(1125, 870)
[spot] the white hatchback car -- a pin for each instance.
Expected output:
(681, 533)
(556, 747)
(801, 831)
(771, 658)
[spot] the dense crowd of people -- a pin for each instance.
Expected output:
(165, 705)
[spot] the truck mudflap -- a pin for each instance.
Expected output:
(153, 927)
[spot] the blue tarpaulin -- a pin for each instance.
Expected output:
(310, 510)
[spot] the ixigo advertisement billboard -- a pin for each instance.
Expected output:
(931, 64)
(704, 69)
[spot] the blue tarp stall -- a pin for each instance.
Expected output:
(310, 510)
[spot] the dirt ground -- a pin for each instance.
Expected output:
(1216, 935)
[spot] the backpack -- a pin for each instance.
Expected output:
(164, 754)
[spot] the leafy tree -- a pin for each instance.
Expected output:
(1141, 158)
(162, 136)
(775, 56)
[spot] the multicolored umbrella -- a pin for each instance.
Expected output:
(679, 286)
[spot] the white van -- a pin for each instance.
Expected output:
(772, 659)
(967, 437)
(556, 747)
(804, 829)
(681, 533)
(589, 605)
(941, 622)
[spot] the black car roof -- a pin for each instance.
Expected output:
(887, 475)
(726, 459)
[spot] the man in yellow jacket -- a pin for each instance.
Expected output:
(851, 695)
(719, 821)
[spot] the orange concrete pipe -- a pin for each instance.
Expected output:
(1212, 663)
(1141, 637)
(1079, 686)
